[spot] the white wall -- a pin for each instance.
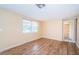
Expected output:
(52, 29)
(77, 42)
(11, 30)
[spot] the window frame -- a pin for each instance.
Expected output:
(31, 26)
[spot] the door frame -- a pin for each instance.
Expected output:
(75, 29)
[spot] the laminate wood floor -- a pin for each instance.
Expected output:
(44, 47)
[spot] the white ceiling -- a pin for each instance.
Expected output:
(49, 12)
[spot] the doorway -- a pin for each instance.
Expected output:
(69, 30)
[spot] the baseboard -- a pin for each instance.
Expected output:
(77, 45)
(69, 41)
(13, 46)
(58, 40)
(52, 39)
(27, 42)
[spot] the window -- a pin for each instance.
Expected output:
(34, 26)
(30, 26)
(26, 26)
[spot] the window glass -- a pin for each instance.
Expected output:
(30, 26)
(26, 26)
(34, 26)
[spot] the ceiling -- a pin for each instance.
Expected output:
(49, 12)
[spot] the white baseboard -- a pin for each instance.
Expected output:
(26, 42)
(15, 46)
(69, 41)
(11, 47)
(52, 38)
(77, 45)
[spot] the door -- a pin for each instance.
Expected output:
(69, 30)
(66, 31)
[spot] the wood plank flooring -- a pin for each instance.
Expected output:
(44, 47)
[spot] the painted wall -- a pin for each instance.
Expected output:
(11, 30)
(52, 29)
(77, 42)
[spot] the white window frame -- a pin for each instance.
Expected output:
(31, 26)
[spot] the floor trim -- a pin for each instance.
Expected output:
(77, 45)
(13, 46)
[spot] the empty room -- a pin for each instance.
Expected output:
(39, 29)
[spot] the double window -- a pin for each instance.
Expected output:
(29, 26)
